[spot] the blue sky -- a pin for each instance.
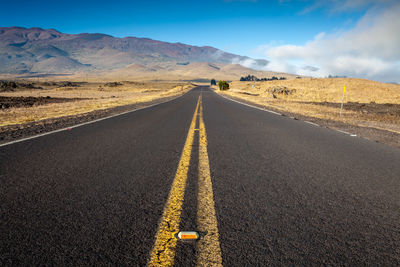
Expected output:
(256, 28)
(235, 26)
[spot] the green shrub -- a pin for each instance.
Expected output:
(223, 85)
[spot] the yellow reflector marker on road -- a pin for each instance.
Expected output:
(188, 235)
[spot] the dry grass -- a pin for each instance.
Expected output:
(165, 71)
(330, 90)
(310, 94)
(95, 96)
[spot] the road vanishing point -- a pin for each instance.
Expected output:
(260, 190)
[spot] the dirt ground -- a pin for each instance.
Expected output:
(371, 108)
(16, 102)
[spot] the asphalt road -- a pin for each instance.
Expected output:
(285, 192)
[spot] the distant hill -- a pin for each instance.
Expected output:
(190, 71)
(36, 50)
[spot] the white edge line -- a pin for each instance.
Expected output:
(309, 122)
(263, 109)
(312, 123)
(89, 122)
(343, 132)
(352, 135)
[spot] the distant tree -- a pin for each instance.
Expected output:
(223, 85)
(249, 78)
(213, 82)
(252, 78)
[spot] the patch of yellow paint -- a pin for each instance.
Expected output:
(208, 248)
(163, 252)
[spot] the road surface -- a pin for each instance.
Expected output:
(262, 190)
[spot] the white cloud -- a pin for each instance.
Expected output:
(251, 63)
(281, 66)
(248, 63)
(218, 54)
(370, 50)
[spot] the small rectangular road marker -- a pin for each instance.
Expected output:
(188, 235)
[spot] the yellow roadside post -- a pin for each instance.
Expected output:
(341, 106)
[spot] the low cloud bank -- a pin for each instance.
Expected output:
(370, 50)
(257, 64)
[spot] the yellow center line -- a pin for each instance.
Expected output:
(163, 252)
(208, 248)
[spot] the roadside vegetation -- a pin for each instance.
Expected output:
(366, 103)
(223, 85)
(254, 78)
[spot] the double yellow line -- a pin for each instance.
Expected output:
(208, 248)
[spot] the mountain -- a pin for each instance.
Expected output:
(37, 50)
(191, 71)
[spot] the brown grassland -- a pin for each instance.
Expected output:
(366, 103)
(85, 97)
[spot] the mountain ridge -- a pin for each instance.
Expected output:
(37, 50)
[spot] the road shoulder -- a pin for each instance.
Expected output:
(15, 132)
(373, 134)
